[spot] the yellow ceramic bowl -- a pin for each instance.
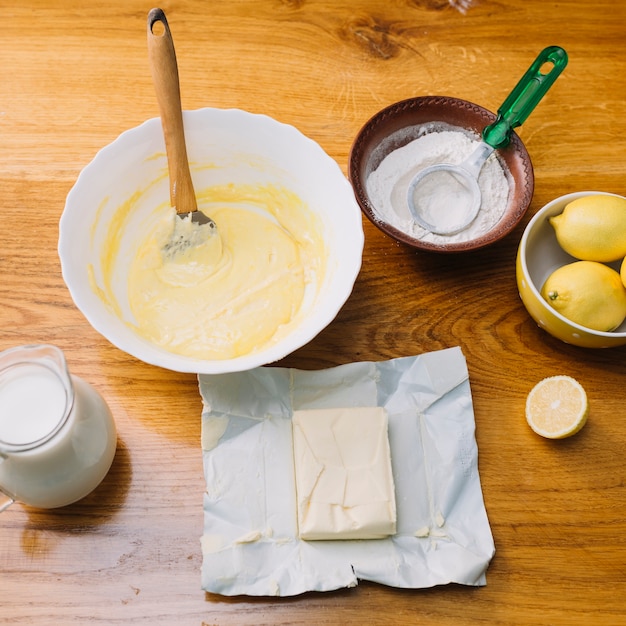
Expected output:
(539, 254)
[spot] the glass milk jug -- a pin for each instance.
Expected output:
(57, 435)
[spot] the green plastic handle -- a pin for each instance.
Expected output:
(526, 95)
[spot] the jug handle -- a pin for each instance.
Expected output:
(5, 500)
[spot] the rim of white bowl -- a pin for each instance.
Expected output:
(561, 200)
(143, 350)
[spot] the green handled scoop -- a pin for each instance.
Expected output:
(434, 190)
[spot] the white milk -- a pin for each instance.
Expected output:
(32, 403)
(65, 465)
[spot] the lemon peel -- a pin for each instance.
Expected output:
(557, 407)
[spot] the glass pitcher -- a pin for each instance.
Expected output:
(57, 434)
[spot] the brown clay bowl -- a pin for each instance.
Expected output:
(399, 124)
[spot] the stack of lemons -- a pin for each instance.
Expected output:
(588, 291)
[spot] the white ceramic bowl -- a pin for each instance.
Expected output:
(539, 254)
(241, 148)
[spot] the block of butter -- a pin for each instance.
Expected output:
(344, 482)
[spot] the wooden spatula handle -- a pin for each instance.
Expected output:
(165, 77)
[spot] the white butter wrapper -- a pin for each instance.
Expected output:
(250, 543)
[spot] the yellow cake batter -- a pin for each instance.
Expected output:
(240, 291)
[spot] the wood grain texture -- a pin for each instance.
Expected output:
(76, 74)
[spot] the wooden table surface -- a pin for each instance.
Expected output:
(75, 75)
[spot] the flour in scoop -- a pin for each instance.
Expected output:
(388, 184)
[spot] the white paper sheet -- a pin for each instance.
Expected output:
(250, 543)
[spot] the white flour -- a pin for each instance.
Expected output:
(387, 186)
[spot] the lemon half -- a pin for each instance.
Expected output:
(557, 407)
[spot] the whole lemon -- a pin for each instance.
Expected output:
(593, 228)
(588, 293)
(623, 271)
